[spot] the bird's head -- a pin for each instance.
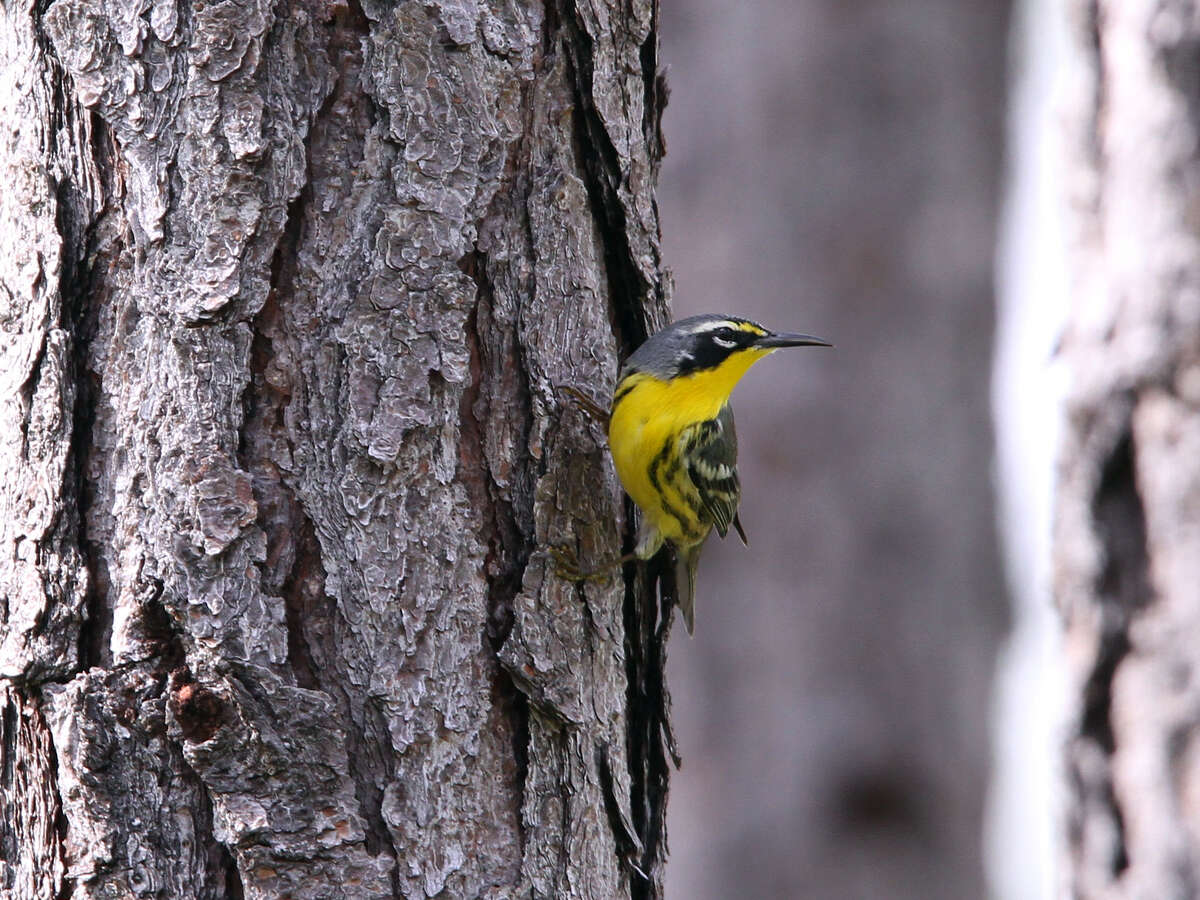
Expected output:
(710, 344)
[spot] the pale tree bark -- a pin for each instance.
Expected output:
(1127, 541)
(287, 293)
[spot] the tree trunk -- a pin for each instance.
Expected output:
(289, 291)
(1127, 541)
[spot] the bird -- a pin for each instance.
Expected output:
(673, 441)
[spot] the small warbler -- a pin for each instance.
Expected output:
(672, 436)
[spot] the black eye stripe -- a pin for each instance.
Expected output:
(712, 348)
(732, 337)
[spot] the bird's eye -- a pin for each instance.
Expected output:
(724, 337)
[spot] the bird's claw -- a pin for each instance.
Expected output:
(567, 566)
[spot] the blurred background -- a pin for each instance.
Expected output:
(839, 168)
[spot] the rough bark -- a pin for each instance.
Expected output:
(1128, 520)
(288, 292)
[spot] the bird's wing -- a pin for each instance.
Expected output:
(712, 467)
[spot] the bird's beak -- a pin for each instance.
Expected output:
(787, 339)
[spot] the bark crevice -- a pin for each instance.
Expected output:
(508, 544)
(650, 741)
(233, 878)
(1122, 589)
(76, 148)
(291, 569)
(95, 630)
(656, 93)
(600, 164)
(648, 738)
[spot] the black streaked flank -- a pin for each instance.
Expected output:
(656, 476)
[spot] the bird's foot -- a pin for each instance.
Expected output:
(566, 566)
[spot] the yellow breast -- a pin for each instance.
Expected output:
(649, 415)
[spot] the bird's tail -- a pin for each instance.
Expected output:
(686, 561)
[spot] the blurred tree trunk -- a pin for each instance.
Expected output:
(287, 293)
(1127, 541)
(841, 682)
